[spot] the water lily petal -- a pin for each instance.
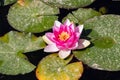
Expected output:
(72, 27)
(51, 48)
(67, 22)
(74, 46)
(64, 53)
(57, 24)
(83, 43)
(50, 36)
(80, 28)
(48, 41)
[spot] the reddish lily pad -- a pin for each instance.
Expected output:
(32, 16)
(54, 68)
(104, 52)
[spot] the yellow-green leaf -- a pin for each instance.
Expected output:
(54, 68)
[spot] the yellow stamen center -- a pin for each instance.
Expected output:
(21, 2)
(64, 36)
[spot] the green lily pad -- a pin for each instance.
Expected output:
(71, 17)
(12, 45)
(82, 15)
(32, 16)
(54, 68)
(6, 2)
(68, 4)
(104, 52)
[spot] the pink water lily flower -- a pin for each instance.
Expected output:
(64, 38)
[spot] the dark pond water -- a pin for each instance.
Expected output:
(112, 6)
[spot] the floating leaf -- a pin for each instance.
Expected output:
(71, 17)
(68, 3)
(54, 68)
(82, 15)
(32, 16)
(12, 45)
(6, 2)
(104, 52)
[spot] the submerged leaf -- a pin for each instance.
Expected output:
(12, 45)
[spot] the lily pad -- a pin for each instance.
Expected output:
(12, 45)
(32, 16)
(68, 4)
(6, 2)
(54, 68)
(82, 15)
(104, 52)
(71, 17)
